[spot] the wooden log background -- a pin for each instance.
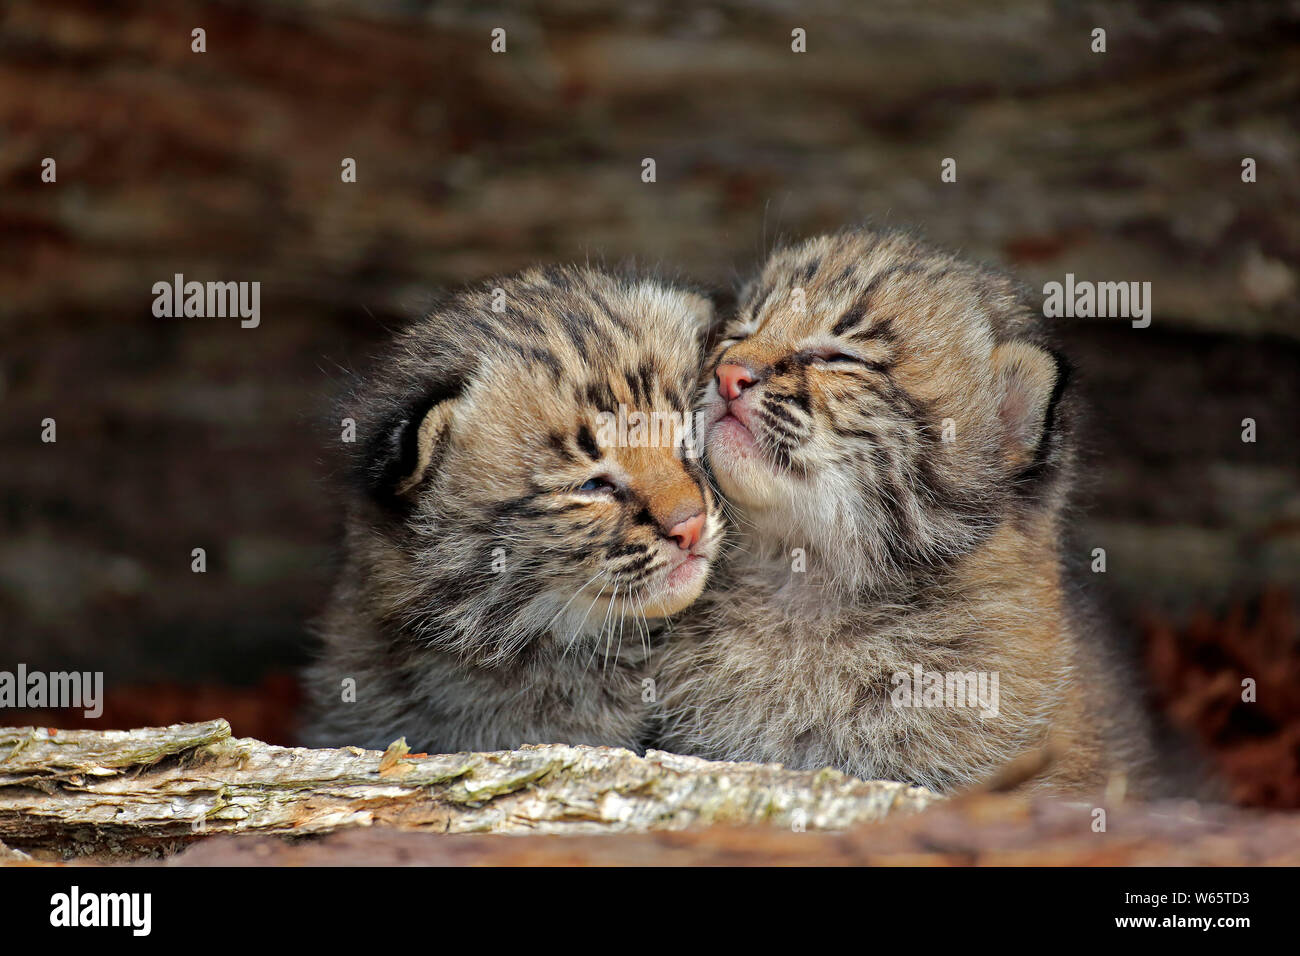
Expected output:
(122, 794)
(183, 433)
(190, 789)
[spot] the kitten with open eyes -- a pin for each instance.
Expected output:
(509, 557)
(893, 436)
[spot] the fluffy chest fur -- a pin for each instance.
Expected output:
(768, 669)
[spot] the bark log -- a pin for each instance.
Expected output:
(983, 830)
(126, 793)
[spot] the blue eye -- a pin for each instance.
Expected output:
(838, 357)
(599, 483)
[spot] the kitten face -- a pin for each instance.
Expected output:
(544, 476)
(519, 502)
(860, 403)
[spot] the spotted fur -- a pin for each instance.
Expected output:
(907, 438)
(508, 566)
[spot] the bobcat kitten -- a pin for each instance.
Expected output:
(507, 560)
(894, 438)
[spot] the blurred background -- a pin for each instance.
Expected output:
(225, 165)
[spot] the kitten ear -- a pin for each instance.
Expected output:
(409, 443)
(707, 321)
(1030, 380)
(702, 314)
(429, 439)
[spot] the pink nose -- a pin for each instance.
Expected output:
(732, 380)
(687, 533)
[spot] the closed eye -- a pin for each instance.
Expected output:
(837, 358)
(601, 484)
